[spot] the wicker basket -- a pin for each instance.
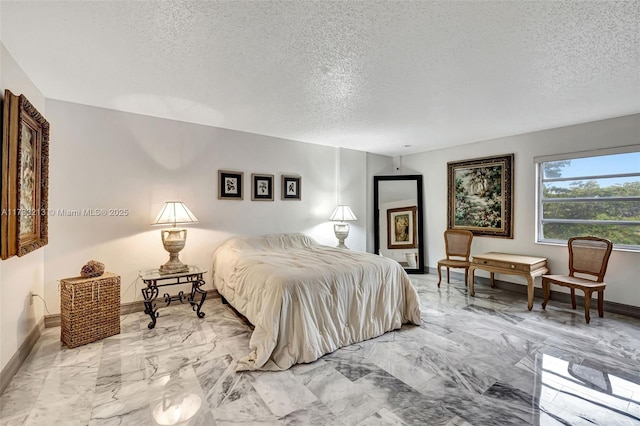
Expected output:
(89, 309)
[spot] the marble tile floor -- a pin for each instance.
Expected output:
(474, 361)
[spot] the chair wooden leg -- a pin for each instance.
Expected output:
(448, 275)
(601, 303)
(573, 298)
(546, 289)
(466, 276)
(587, 305)
(439, 275)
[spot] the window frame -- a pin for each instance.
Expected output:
(541, 201)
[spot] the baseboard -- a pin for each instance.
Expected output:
(613, 307)
(21, 354)
(125, 309)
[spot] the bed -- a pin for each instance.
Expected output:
(306, 299)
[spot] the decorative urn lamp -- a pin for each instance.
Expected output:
(341, 214)
(174, 213)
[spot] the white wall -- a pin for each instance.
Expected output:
(19, 276)
(352, 186)
(377, 165)
(114, 160)
(624, 267)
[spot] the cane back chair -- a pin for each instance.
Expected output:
(458, 249)
(587, 256)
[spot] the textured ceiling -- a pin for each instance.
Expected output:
(368, 75)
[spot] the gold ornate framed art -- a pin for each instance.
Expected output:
(480, 196)
(25, 177)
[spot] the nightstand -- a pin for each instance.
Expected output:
(153, 280)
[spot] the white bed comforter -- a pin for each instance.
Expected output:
(306, 300)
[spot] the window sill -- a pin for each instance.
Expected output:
(564, 244)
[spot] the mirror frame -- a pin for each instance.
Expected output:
(376, 217)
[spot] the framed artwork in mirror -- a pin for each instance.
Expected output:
(480, 196)
(261, 187)
(230, 185)
(401, 228)
(25, 177)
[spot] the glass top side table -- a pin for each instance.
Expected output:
(153, 280)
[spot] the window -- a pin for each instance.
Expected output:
(595, 193)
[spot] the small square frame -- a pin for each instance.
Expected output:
(230, 185)
(291, 187)
(261, 187)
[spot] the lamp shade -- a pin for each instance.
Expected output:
(173, 213)
(342, 213)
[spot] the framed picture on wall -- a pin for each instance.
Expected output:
(480, 196)
(291, 189)
(261, 187)
(230, 185)
(401, 228)
(25, 177)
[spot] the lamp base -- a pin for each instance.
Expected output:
(342, 232)
(173, 267)
(173, 241)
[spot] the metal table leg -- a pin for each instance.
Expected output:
(150, 293)
(195, 288)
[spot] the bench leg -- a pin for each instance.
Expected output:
(529, 292)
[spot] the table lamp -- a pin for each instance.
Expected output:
(173, 213)
(341, 214)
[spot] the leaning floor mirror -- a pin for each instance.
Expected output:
(397, 206)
